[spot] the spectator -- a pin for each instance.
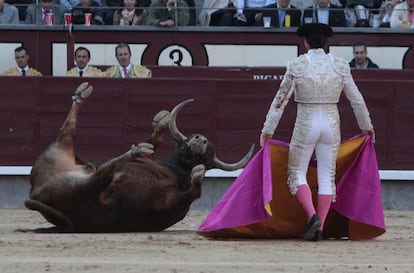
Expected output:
(359, 12)
(21, 6)
(38, 16)
(213, 11)
(21, 55)
(388, 7)
(70, 4)
(278, 11)
(87, 6)
(360, 59)
(249, 12)
(130, 14)
(326, 13)
(168, 13)
(125, 69)
(110, 7)
(8, 14)
(82, 68)
(192, 11)
(402, 15)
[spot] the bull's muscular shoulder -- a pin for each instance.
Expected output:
(299, 66)
(11, 71)
(112, 72)
(141, 71)
(341, 66)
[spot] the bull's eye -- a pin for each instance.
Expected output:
(197, 136)
(205, 141)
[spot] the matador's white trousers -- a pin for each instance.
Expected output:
(316, 130)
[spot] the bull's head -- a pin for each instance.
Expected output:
(199, 144)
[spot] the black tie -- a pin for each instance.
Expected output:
(80, 73)
(23, 72)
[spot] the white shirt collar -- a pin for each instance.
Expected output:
(82, 69)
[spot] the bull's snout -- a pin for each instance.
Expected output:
(198, 144)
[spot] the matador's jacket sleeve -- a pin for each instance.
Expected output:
(287, 86)
(353, 94)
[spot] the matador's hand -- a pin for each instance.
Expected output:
(263, 138)
(371, 132)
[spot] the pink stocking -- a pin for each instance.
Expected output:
(304, 195)
(324, 203)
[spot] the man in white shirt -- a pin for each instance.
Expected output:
(82, 68)
(249, 12)
(126, 69)
(326, 13)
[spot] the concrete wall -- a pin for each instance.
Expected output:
(397, 195)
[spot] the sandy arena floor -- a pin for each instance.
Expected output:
(180, 250)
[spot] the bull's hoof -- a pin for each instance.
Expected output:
(197, 173)
(83, 91)
(142, 149)
(161, 120)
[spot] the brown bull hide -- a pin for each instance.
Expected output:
(132, 192)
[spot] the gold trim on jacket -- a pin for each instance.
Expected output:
(13, 71)
(136, 71)
(91, 71)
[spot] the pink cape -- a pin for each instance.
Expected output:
(259, 205)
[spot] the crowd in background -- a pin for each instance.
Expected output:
(166, 13)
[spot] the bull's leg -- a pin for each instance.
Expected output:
(108, 169)
(177, 205)
(160, 123)
(197, 176)
(68, 129)
(184, 199)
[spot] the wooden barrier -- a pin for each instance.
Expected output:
(230, 112)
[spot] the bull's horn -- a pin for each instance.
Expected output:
(235, 166)
(176, 134)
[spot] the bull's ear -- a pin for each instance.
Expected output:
(176, 134)
(234, 166)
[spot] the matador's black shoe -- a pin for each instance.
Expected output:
(311, 228)
(318, 236)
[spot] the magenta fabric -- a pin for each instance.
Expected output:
(249, 193)
(358, 192)
(359, 196)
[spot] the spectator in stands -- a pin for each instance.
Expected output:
(38, 16)
(21, 6)
(88, 6)
(168, 13)
(110, 7)
(359, 12)
(8, 14)
(278, 11)
(402, 15)
(125, 69)
(21, 55)
(325, 12)
(213, 11)
(82, 68)
(360, 59)
(249, 12)
(70, 4)
(130, 13)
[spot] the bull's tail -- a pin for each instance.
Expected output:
(52, 215)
